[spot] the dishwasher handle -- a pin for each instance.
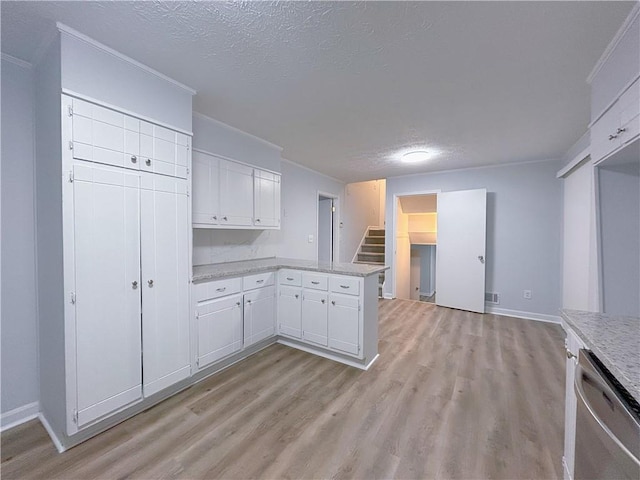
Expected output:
(582, 375)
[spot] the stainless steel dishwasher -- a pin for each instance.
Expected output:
(607, 424)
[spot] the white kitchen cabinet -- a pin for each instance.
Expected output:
(314, 317)
(163, 151)
(259, 315)
(572, 346)
(165, 281)
(344, 323)
(219, 327)
(106, 298)
(236, 194)
(290, 311)
(266, 202)
(206, 193)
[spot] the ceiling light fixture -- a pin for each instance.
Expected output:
(416, 156)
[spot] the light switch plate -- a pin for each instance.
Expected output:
(310, 238)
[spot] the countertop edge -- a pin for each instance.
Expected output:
(592, 345)
(278, 265)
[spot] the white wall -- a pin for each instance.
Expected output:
(361, 210)
(579, 260)
(524, 224)
(96, 73)
(19, 314)
(300, 187)
(216, 137)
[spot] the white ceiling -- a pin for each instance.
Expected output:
(343, 86)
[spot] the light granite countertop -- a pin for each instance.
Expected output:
(615, 340)
(204, 273)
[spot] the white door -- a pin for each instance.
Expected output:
(460, 275)
(206, 179)
(266, 199)
(289, 311)
(236, 194)
(219, 329)
(344, 323)
(107, 277)
(259, 315)
(415, 274)
(165, 281)
(314, 317)
(325, 229)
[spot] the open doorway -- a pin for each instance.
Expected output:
(416, 232)
(327, 232)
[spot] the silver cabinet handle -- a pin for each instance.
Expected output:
(259, 281)
(134, 284)
(290, 279)
(621, 130)
(315, 283)
(221, 289)
(134, 159)
(345, 286)
(215, 217)
(611, 137)
(333, 302)
(148, 162)
(150, 282)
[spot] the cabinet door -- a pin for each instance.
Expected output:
(266, 199)
(289, 311)
(572, 346)
(259, 315)
(236, 194)
(104, 136)
(163, 151)
(205, 178)
(165, 281)
(604, 133)
(219, 329)
(106, 240)
(314, 317)
(344, 323)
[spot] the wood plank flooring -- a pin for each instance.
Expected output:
(453, 395)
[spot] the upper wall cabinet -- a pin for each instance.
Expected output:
(615, 92)
(109, 137)
(229, 194)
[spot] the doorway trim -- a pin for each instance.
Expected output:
(392, 221)
(336, 224)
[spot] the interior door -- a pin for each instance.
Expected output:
(165, 281)
(107, 282)
(462, 225)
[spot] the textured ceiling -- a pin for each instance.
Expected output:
(343, 86)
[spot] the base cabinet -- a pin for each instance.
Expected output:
(344, 324)
(572, 346)
(220, 331)
(259, 315)
(314, 317)
(290, 311)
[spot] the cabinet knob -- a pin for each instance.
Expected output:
(215, 217)
(611, 137)
(297, 296)
(134, 284)
(224, 218)
(333, 302)
(323, 300)
(150, 282)
(148, 162)
(621, 130)
(237, 304)
(248, 301)
(257, 220)
(134, 159)
(570, 355)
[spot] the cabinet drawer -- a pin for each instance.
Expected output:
(347, 285)
(216, 289)
(290, 277)
(257, 281)
(315, 281)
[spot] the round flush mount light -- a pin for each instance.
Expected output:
(416, 156)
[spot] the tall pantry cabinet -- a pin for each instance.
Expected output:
(114, 243)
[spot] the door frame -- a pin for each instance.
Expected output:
(336, 223)
(390, 260)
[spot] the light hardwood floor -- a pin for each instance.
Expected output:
(453, 395)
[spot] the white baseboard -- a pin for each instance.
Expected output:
(54, 438)
(387, 296)
(540, 317)
(19, 415)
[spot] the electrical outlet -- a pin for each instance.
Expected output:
(526, 294)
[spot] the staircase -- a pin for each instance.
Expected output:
(371, 251)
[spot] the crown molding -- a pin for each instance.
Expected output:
(16, 61)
